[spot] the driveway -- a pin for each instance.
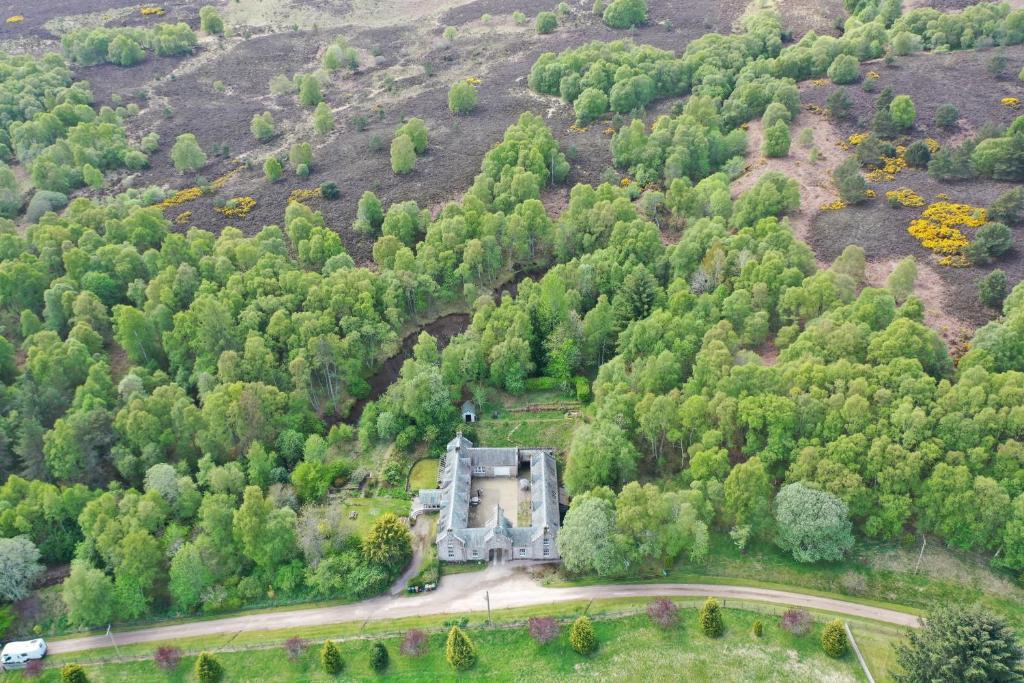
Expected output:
(508, 586)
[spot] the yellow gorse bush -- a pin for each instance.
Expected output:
(872, 76)
(834, 206)
(183, 217)
(239, 207)
(15, 19)
(941, 225)
(220, 182)
(181, 197)
(152, 10)
(300, 195)
(933, 145)
(577, 129)
(1011, 102)
(905, 196)
(473, 81)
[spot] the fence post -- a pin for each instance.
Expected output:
(856, 650)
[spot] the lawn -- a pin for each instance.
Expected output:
(547, 428)
(369, 509)
(631, 649)
(423, 475)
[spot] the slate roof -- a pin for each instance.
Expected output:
(493, 457)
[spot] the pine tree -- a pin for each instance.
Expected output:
(711, 618)
(208, 669)
(833, 640)
(330, 659)
(582, 636)
(460, 650)
(379, 657)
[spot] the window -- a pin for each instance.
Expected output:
(476, 553)
(478, 471)
(522, 552)
(451, 550)
(547, 547)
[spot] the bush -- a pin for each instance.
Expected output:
(43, 201)
(462, 97)
(546, 23)
(73, 673)
(918, 154)
(663, 612)
(758, 628)
(946, 116)
(625, 13)
(850, 183)
(519, 18)
(991, 241)
(167, 658)
(323, 119)
(833, 640)
(450, 32)
(210, 21)
(379, 657)
(710, 618)
(1009, 207)
(262, 126)
(589, 105)
(186, 154)
(330, 659)
(414, 643)
(902, 111)
(844, 69)
(416, 129)
(776, 140)
(403, 154)
(582, 636)
(330, 191)
(776, 111)
(997, 65)
(300, 154)
(208, 669)
(309, 91)
(272, 169)
(294, 647)
(992, 289)
(839, 104)
(796, 621)
(543, 629)
(460, 650)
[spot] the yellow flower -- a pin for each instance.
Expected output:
(870, 194)
(181, 197)
(834, 206)
(150, 10)
(183, 217)
(625, 182)
(223, 180)
(933, 145)
(609, 131)
(473, 81)
(818, 82)
(940, 229)
(303, 195)
(17, 18)
(872, 75)
(1011, 102)
(577, 129)
(239, 207)
(858, 138)
(905, 196)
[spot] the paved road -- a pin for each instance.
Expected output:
(508, 587)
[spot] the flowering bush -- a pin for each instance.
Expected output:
(181, 197)
(294, 648)
(167, 658)
(834, 206)
(183, 217)
(414, 643)
(905, 197)
(1011, 102)
(872, 75)
(664, 613)
(819, 82)
(300, 195)
(940, 228)
(473, 81)
(933, 145)
(152, 10)
(15, 19)
(223, 180)
(577, 129)
(239, 207)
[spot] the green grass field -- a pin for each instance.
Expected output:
(423, 475)
(368, 510)
(631, 649)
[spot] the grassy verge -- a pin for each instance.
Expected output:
(423, 475)
(631, 649)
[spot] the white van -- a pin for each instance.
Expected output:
(17, 655)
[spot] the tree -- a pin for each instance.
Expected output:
(992, 289)
(946, 116)
(300, 155)
(833, 639)
(582, 637)
(990, 242)
(625, 13)
(403, 154)
(323, 119)
(460, 650)
(918, 154)
(844, 69)
(369, 214)
(748, 491)
(663, 612)
(1008, 208)
(960, 644)
(849, 181)
(546, 22)
(309, 91)
(710, 618)
(901, 280)
(88, 594)
(379, 657)
(186, 154)
(839, 104)
(462, 97)
(210, 21)
(262, 126)
(272, 169)
(776, 140)
(388, 542)
(19, 567)
(330, 658)
(586, 539)
(543, 629)
(208, 669)
(601, 454)
(813, 525)
(902, 111)
(589, 105)
(416, 129)
(73, 673)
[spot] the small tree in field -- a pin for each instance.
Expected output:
(379, 657)
(330, 659)
(414, 643)
(73, 673)
(167, 658)
(210, 21)
(403, 154)
(294, 648)
(776, 140)
(462, 97)
(758, 628)
(582, 636)
(546, 22)
(992, 289)
(460, 650)
(710, 618)
(902, 111)
(839, 104)
(663, 612)
(262, 126)
(208, 669)
(833, 640)
(543, 629)
(272, 169)
(186, 154)
(796, 621)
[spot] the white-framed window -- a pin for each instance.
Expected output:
(451, 550)
(476, 553)
(547, 547)
(478, 471)
(522, 552)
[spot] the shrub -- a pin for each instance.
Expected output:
(403, 154)
(323, 119)
(330, 659)
(758, 628)
(663, 612)
(167, 658)
(776, 111)
(1009, 207)
(450, 32)
(330, 191)
(379, 657)
(43, 201)
(776, 140)
(946, 116)
(208, 669)
(796, 621)
(124, 51)
(905, 43)
(710, 618)
(833, 639)
(902, 111)
(918, 154)
(73, 673)
(309, 91)
(414, 643)
(997, 65)
(294, 647)
(462, 97)
(416, 129)
(546, 22)
(844, 69)
(589, 105)
(210, 21)
(991, 241)
(300, 154)
(519, 18)
(850, 183)
(186, 154)
(839, 104)
(992, 289)
(543, 629)
(582, 636)
(272, 169)
(625, 13)
(262, 126)
(460, 650)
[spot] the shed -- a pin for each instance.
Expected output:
(469, 412)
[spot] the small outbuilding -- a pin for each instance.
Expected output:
(469, 412)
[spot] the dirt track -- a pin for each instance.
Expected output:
(460, 593)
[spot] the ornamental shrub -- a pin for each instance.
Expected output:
(582, 636)
(796, 621)
(460, 650)
(414, 643)
(330, 659)
(208, 669)
(844, 69)
(546, 23)
(543, 629)
(625, 13)
(294, 647)
(403, 154)
(833, 639)
(663, 612)
(167, 658)
(710, 618)
(462, 97)
(902, 111)
(73, 673)
(992, 289)
(379, 657)
(776, 140)
(590, 104)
